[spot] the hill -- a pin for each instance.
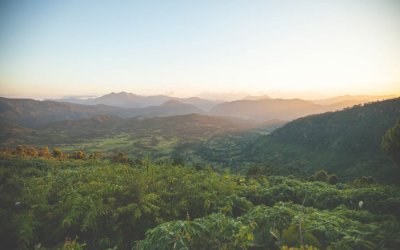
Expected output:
(203, 104)
(264, 108)
(269, 109)
(346, 142)
(352, 99)
(130, 100)
(169, 108)
(31, 113)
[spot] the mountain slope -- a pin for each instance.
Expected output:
(268, 109)
(129, 100)
(352, 99)
(31, 113)
(345, 142)
(169, 108)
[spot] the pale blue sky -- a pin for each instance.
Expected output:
(56, 48)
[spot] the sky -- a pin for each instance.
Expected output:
(300, 48)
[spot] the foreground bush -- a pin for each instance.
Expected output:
(95, 204)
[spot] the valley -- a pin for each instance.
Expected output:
(113, 177)
(351, 137)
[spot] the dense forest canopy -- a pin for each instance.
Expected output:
(346, 142)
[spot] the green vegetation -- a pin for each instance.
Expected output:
(391, 142)
(347, 143)
(60, 203)
(201, 182)
(157, 137)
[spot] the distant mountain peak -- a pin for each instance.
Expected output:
(122, 93)
(253, 97)
(125, 99)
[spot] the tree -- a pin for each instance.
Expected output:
(363, 181)
(45, 153)
(24, 150)
(19, 150)
(79, 155)
(57, 153)
(333, 179)
(320, 175)
(254, 172)
(120, 158)
(96, 155)
(391, 142)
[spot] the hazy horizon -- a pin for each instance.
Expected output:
(286, 49)
(217, 96)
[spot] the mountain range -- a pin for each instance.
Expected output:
(130, 100)
(345, 141)
(257, 108)
(32, 113)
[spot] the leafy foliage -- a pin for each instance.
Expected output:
(346, 142)
(391, 142)
(103, 205)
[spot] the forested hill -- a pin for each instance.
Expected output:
(31, 113)
(346, 142)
